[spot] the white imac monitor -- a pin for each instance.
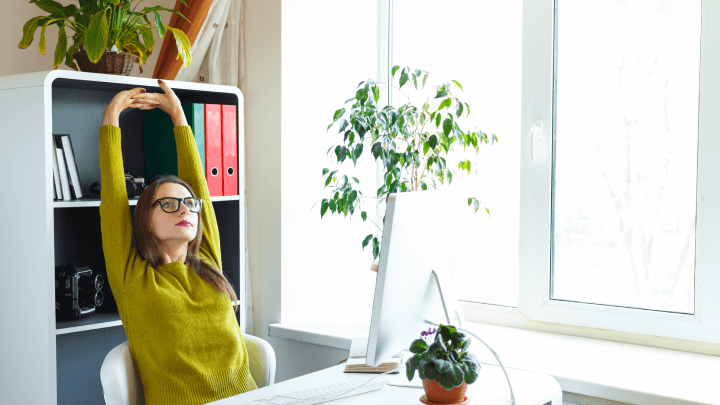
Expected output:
(420, 236)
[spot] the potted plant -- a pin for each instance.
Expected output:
(412, 142)
(445, 366)
(101, 26)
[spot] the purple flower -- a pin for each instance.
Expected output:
(423, 333)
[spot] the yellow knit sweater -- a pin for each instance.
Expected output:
(183, 334)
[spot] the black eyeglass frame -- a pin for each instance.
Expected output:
(179, 200)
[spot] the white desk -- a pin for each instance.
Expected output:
(490, 388)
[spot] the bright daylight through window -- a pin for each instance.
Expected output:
(626, 153)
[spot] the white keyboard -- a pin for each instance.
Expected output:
(321, 394)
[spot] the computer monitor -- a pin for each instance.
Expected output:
(418, 250)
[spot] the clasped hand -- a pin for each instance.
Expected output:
(138, 98)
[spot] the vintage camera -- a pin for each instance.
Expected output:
(77, 291)
(134, 186)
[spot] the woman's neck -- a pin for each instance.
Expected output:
(173, 252)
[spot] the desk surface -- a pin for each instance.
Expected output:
(490, 388)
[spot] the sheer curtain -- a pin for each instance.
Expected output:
(217, 58)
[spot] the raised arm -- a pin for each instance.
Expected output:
(115, 220)
(189, 166)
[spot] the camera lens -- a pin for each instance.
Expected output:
(99, 298)
(99, 282)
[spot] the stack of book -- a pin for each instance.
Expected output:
(215, 130)
(66, 179)
(358, 353)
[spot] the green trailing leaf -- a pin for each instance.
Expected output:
(338, 113)
(395, 69)
(458, 108)
(96, 36)
(441, 93)
(376, 93)
(363, 215)
(159, 24)
(445, 103)
(457, 84)
(60, 48)
(438, 117)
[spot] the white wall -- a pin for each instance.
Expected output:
(14, 14)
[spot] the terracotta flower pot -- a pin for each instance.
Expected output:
(436, 394)
(115, 63)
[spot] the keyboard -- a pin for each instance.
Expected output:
(325, 393)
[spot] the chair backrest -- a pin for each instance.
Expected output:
(121, 384)
(262, 360)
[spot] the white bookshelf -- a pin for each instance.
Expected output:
(37, 233)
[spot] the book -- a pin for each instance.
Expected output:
(63, 142)
(63, 174)
(57, 187)
(195, 114)
(358, 353)
(159, 143)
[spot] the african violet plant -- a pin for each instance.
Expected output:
(446, 360)
(412, 142)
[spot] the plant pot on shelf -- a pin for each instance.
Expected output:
(114, 63)
(436, 394)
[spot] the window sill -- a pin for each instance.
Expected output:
(593, 367)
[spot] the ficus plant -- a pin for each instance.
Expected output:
(98, 25)
(445, 360)
(412, 142)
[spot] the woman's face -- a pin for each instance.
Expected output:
(180, 225)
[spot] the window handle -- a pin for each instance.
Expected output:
(536, 138)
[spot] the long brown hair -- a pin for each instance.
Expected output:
(148, 243)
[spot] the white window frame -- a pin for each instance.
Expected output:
(535, 196)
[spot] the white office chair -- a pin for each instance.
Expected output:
(121, 384)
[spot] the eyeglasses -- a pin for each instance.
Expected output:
(172, 204)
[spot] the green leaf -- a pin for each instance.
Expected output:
(459, 108)
(60, 48)
(394, 69)
(366, 240)
(53, 7)
(332, 205)
(431, 373)
(476, 205)
(457, 84)
(159, 25)
(356, 180)
(343, 124)
(363, 215)
(441, 93)
(418, 346)
(438, 116)
(325, 171)
(426, 147)
(445, 103)
(149, 40)
(338, 113)
(376, 93)
(96, 36)
(41, 44)
(432, 141)
(376, 248)
(358, 151)
(376, 149)
(29, 32)
(323, 207)
(447, 126)
(403, 78)
(424, 80)
(423, 186)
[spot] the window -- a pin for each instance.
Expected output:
(604, 187)
(325, 273)
(616, 226)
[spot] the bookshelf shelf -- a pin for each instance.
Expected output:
(61, 360)
(95, 202)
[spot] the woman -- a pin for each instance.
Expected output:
(174, 302)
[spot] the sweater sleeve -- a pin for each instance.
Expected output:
(190, 170)
(115, 219)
